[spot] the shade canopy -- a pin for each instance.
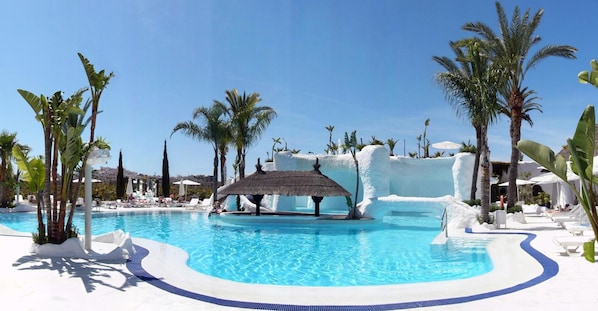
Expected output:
(289, 183)
(187, 182)
(546, 178)
(446, 145)
(93, 180)
(519, 182)
(181, 189)
(129, 190)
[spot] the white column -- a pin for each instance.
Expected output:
(88, 207)
(96, 156)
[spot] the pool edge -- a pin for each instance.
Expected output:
(549, 269)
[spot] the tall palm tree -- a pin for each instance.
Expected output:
(511, 49)
(425, 140)
(248, 122)
(223, 151)
(330, 147)
(212, 128)
(472, 88)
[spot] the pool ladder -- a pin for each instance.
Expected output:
(444, 223)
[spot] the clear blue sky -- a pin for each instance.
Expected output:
(358, 65)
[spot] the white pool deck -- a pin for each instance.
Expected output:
(31, 283)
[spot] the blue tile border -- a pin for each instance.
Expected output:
(551, 269)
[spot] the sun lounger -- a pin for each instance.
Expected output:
(577, 228)
(192, 204)
(571, 243)
(580, 220)
(574, 212)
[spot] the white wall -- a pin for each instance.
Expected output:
(380, 176)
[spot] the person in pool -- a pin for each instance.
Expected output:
(217, 209)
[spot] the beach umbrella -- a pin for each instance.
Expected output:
(93, 180)
(446, 145)
(129, 190)
(519, 182)
(187, 182)
(181, 188)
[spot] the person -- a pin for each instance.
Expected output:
(217, 209)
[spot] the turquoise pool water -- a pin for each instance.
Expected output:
(397, 250)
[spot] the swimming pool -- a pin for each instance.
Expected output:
(397, 250)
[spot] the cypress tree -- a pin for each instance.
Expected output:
(165, 174)
(120, 178)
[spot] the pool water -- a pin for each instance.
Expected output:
(397, 250)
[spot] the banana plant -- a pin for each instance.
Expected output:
(34, 174)
(581, 147)
(590, 77)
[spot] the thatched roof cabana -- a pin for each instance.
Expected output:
(290, 183)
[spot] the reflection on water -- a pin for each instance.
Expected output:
(336, 253)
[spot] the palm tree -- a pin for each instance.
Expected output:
(375, 141)
(391, 142)
(425, 140)
(330, 147)
(212, 129)
(472, 87)
(223, 151)
(510, 49)
(248, 122)
(7, 142)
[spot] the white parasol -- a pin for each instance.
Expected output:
(518, 182)
(183, 186)
(129, 190)
(93, 180)
(446, 145)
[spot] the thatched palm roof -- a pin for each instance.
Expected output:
(291, 183)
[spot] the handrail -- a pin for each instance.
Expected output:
(444, 223)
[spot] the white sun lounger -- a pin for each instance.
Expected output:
(579, 220)
(577, 228)
(193, 203)
(571, 243)
(574, 212)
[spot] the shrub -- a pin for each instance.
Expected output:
(475, 202)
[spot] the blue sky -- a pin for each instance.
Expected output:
(357, 65)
